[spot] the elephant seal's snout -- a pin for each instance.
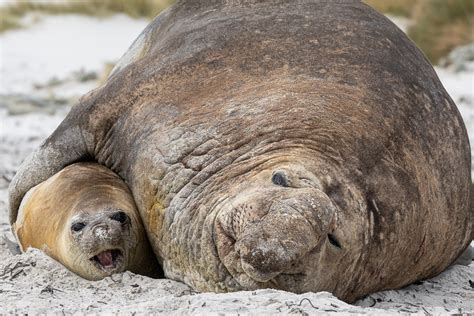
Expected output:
(266, 243)
(270, 246)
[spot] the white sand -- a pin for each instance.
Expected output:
(33, 283)
(56, 46)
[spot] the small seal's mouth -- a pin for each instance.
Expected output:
(108, 260)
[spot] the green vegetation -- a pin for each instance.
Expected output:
(10, 16)
(441, 25)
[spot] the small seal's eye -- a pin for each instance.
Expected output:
(119, 217)
(77, 226)
(279, 178)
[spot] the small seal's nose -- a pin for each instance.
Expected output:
(101, 231)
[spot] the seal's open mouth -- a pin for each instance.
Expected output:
(108, 260)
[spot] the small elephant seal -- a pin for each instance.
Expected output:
(300, 145)
(85, 217)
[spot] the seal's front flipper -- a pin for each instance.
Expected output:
(466, 257)
(69, 143)
(471, 209)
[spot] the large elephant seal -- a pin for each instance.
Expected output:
(299, 145)
(85, 217)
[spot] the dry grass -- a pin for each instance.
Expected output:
(437, 26)
(441, 25)
(11, 15)
(8, 22)
(395, 7)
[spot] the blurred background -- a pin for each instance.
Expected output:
(54, 51)
(436, 26)
(46, 45)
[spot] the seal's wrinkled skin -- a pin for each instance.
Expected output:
(298, 145)
(85, 217)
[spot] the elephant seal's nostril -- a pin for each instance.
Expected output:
(279, 178)
(259, 275)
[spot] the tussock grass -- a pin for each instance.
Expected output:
(437, 26)
(11, 15)
(394, 7)
(441, 25)
(8, 22)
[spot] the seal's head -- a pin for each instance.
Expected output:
(85, 217)
(273, 232)
(98, 242)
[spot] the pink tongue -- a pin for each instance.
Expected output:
(105, 258)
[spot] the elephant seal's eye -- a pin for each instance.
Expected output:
(279, 178)
(119, 217)
(77, 226)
